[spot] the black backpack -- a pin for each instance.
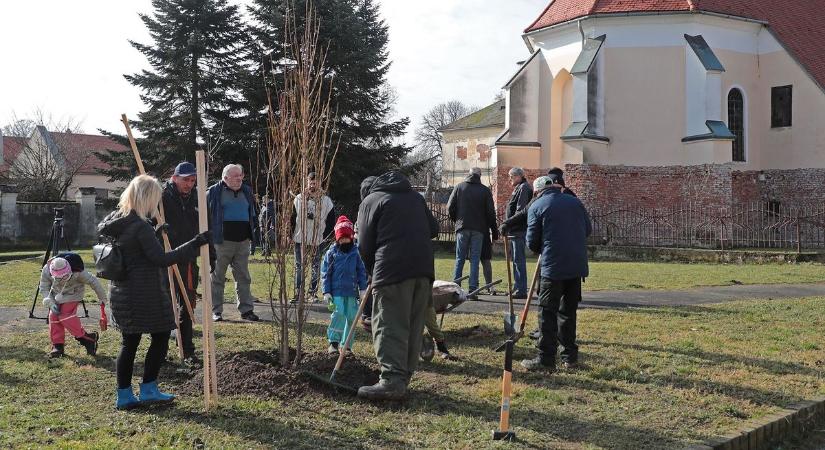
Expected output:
(74, 260)
(109, 260)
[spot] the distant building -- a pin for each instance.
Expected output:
(469, 142)
(62, 147)
(663, 101)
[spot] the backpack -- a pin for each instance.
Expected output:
(109, 260)
(74, 260)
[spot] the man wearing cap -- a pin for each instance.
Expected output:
(234, 224)
(557, 227)
(516, 230)
(181, 209)
(471, 208)
(313, 222)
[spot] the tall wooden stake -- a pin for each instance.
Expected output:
(173, 272)
(210, 370)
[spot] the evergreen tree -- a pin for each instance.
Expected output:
(357, 61)
(191, 91)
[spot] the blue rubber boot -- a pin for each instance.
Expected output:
(126, 399)
(149, 393)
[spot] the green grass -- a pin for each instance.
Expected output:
(650, 378)
(19, 279)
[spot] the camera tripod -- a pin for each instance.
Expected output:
(57, 237)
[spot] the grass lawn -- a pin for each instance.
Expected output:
(650, 378)
(19, 279)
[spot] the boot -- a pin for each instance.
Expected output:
(538, 364)
(442, 348)
(383, 391)
(333, 348)
(149, 393)
(89, 341)
(126, 399)
(57, 351)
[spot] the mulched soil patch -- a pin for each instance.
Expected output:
(259, 373)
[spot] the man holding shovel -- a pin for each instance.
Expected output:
(558, 226)
(515, 229)
(395, 232)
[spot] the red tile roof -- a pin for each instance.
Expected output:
(73, 144)
(799, 24)
(11, 148)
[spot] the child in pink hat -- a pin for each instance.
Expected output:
(62, 287)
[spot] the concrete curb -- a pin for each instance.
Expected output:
(796, 420)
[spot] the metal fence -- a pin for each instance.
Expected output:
(766, 225)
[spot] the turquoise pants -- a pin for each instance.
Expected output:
(342, 318)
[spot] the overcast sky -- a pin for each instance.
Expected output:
(68, 57)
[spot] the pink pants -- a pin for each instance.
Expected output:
(67, 320)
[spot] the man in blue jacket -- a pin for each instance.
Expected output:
(558, 226)
(233, 223)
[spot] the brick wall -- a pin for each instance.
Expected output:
(502, 189)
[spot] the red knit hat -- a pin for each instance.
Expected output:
(343, 228)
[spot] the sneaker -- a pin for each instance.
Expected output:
(570, 365)
(535, 335)
(192, 361)
(442, 349)
(333, 348)
(57, 351)
(383, 391)
(518, 296)
(217, 317)
(472, 297)
(250, 316)
(536, 365)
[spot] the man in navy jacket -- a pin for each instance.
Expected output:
(558, 226)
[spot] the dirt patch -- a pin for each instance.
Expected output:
(259, 373)
(477, 331)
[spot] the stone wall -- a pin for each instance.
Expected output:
(30, 223)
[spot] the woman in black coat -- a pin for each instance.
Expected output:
(141, 303)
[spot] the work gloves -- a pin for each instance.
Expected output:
(202, 239)
(52, 305)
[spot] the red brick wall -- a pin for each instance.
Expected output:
(502, 188)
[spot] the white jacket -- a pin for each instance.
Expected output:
(57, 292)
(309, 224)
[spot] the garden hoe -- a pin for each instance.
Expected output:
(509, 318)
(342, 351)
(504, 433)
(523, 319)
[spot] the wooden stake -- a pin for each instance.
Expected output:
(210, 378)
(173, 272)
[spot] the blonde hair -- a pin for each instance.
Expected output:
(142, 196)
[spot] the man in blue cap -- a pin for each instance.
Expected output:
(181, 209)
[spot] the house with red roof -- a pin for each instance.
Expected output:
(70, 152)
(719, 101)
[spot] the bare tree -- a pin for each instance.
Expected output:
(429, 144)
(299, 142)
(50, 157)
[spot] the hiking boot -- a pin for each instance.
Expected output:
(250, 316)
(538, 365)
(535, 334)
(427, 350)
(217, 317)
(57, 351)
(383, 391)
(333, 348)
(89, 341)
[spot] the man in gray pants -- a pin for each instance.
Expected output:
(395, 228)
(232, 220)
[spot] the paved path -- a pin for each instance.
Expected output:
(16, 318)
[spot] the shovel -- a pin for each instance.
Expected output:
(523, 319)
(342, 349)
(510, 318)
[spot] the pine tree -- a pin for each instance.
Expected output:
(357, 59)
(191, 90)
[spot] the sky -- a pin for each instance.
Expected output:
(67, 58)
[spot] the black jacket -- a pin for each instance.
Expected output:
(141, 302)
(558, 226)
(471, 206)
(518, 221)
(395, 232)
(181, 213)
(521, 196)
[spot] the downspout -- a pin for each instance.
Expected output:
(581, 30)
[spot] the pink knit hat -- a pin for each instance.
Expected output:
(60, 268)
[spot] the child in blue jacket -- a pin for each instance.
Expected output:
(344, 281)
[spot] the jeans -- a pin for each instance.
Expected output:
(315, 269)
(468, 244)
(517, 252)
(125, 363)
(235, 254)
(559, 301)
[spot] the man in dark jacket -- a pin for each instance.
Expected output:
(233, 223)
(516, 230)
(558, 226)
(471, 208)
(181, 210)
(395, 232)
